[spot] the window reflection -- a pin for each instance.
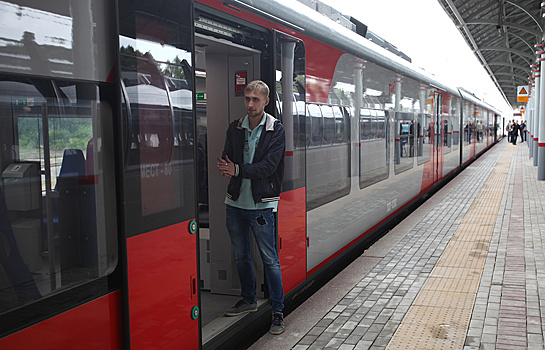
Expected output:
(57, 213)
(63, 38)
(157, 103)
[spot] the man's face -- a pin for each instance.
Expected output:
(255, 103)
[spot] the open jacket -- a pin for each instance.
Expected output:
(267, 169)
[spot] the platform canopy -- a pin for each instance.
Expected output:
(503, 35)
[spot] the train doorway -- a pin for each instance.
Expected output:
(223, 69)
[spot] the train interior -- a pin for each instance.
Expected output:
(53, 193)
(222, 69)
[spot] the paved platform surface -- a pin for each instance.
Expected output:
(466, 270)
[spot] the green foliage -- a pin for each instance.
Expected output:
(174, 69)
(63, 133)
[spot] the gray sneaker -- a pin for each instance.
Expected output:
(277, 326)
(241, 307)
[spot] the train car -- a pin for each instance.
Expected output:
(112, 113)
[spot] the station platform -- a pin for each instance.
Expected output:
(466, 270)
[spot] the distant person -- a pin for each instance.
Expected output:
(253, 160)
(509, 129)
(480, 129)
(523, 131)
(515, 133)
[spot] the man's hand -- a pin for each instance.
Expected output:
(226, 167)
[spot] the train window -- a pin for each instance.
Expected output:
(381, 124)
(328, 168)
(374, 164)
(447, 134)
(156, 82)
(480, 128)
(447, 125)
(57, 198)
(468, 115)
(404, 144)
(455, 116)
(424, 138)
(302, 120)
(342, 123)
(378, 102)
(424, 129)
(329, 125)
(374, 126)
(316, 125)
(365, 124)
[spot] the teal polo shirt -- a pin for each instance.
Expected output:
(251, 139)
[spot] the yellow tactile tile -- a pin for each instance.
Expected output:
(440, 298)
(456, 273)
(434, 284)
(432, 328)
(440, 314)
(468, 231)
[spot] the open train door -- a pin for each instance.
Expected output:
(159, 167)
(224, 65)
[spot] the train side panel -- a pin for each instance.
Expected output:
(162, 285)
(95, 325)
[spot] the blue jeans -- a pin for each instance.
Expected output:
(239, 221)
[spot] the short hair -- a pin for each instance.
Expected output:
(259, 87)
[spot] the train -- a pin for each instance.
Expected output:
(112, 113)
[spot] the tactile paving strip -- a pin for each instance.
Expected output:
(456, 273)
(440, 314)
(455, 300)
(432, 328)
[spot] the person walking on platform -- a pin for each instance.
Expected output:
(523, 131)
(515, 133)
(509, 129)
(253, 160)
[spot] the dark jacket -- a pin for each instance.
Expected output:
(267, 169)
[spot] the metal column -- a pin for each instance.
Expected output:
(529, 125)
(535, 119)
(540, 115)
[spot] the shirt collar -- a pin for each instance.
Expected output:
(246, 122)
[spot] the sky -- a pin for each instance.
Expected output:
(423, 31)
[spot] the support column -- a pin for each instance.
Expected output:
(529, 125)
(534, 104)
(535, 125)
(541, 130)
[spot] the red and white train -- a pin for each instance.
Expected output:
(112, 113)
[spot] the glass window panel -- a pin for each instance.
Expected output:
(156, 81)
(329, 125)
(57, 199)
(316, 124)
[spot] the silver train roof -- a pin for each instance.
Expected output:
(303, 19)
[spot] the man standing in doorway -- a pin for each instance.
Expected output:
(253, 160)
